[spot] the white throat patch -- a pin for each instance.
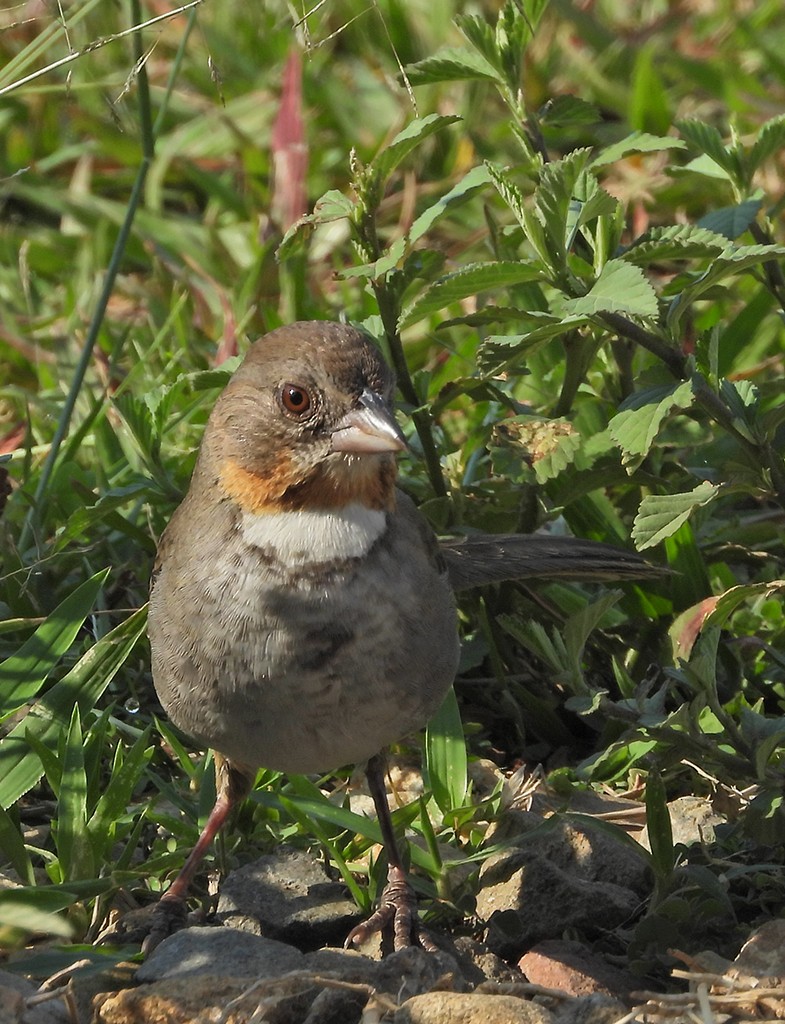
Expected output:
(310, 537)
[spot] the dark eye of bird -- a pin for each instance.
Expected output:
(295, 399)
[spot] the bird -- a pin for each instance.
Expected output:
(302, 614)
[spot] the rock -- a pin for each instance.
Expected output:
(563, 876)
(12, 1005)
(470, 1008)
(595, 1009)
(200, 974)
(287, 896)
(225, 952)
(574, 968)
(205, 999)
(693, 820)
(478, 964)
(15, 991)
(763, 954)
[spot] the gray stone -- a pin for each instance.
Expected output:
(562, 875)
(470, 1008)
(287, 896)
(219, 951)
(15, 990)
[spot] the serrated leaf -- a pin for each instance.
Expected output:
(489, 314)
(732, 221)
(732, 260)
(501, 350)
(509, 191)
(660, 515)
(452, 64)
(638, 422)
(620, 288)
(770, 140)
(679, 242)
(636, 142)
(553, 200)
(408, 139)
(469, 280)
(476, 180)
(23, 674)
(480, 34)
(705, 138)
(565, 111)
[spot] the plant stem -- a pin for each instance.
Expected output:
(420, 416)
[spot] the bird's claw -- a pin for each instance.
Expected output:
(169, 916)
(398, 906)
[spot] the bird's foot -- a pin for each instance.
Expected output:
(169, 916)
(398, 906)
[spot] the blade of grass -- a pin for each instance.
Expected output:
(148, 147)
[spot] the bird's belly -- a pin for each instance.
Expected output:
(308, 675)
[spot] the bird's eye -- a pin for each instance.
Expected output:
(295, 399)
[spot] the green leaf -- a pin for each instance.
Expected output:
(641, 416)
(20, 769)
(502, 350)
(732, 260)
(24, 673)
(732, 221)
(116, 797)
(445, 756)
(323, 810)
(770, 140)
(705, 138)
(658, 822)
(473, 182)
(482, 38)
(553, 201)
(407, 140)
(469, 280)
(566, 111)
(660, 515)
(452, 64)
(12, 846)
(679, 242)
(88, 516)
(637, 142)
(26, 916)
(620, 288)
(73, 846)
(648, 99)
(581, 624)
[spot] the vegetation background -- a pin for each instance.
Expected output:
(563, 222)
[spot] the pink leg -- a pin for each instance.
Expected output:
(398, 903)
(232, 785)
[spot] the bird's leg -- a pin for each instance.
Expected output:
(232, 785)
(398, 903)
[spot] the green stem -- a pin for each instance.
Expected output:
(707, 398)
(148, 150)
(420, 416)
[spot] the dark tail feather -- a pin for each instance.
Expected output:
(488, 558)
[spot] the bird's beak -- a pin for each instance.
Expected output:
(370, 428)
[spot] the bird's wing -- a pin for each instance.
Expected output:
(492, 558)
